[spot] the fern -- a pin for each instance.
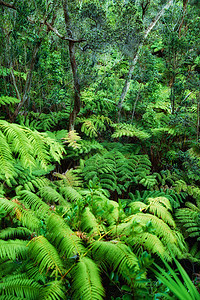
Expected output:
(129, 130)
(72, 139)
(13, 249)
(86, 281)
(54, 290)
(63, 237)
(22, 288)
(27, 145)
(10, 232)
(116, 256)
(90, 224)
(46, 256)
(94, 124)
(8, 100)
(189, 218)
(16, 210)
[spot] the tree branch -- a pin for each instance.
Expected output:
(8, 5)
(50, 27)
(135, 58)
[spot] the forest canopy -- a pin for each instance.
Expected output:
(99, 149)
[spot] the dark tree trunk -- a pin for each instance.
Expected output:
(77, 98)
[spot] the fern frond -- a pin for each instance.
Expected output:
(8, 100)
(18, 141)
(13, 249)
(159, 206)
(26, 217)
(69, 178)
(54, 290)
(10, 232)
(49, 194)
(22, 288)
(86, 281)
(63, 237)
(90, 224)
(6, 159)
(72, 139)
(46, 256)
(117, 256)
(130, 130)
(70, 193)
(34, 202)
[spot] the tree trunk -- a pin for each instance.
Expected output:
(27, 86)
(135, 58)
(77, 97)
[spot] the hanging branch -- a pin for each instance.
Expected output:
(135, 58)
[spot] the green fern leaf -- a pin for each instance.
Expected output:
(54, 290)
(63, 237)
(46, 256)
(86, 281)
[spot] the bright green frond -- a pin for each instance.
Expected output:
(63, 237)
(117, 256)
(54, 290)
(16, 209)
(90, 224)
(86, 281)
(18, 141)
(13, 249)
(10, 232)
(70, 193)
(6, 159)
(35, 203)
(51, 195)
(22, 288)
(45, 255)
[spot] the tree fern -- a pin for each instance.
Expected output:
(13, 249)
(86, 280)
(129, 130)
(115, 255)
(22, 288)
(63, 237)
(54, 290)
(11, 232)
(46, 256)
(17, 211)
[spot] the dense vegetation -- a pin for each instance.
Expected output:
(99, 149)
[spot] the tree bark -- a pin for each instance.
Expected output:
(185, 2)
(27, 86)
(72, 50)
(136, 56)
